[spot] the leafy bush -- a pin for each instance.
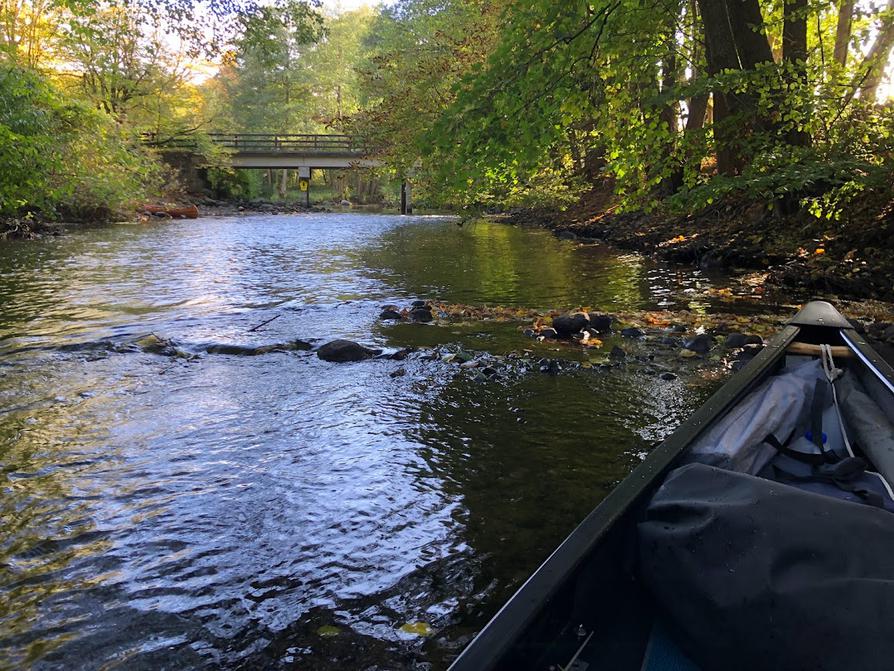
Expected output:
(59, 157)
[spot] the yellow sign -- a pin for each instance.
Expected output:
(303, 184)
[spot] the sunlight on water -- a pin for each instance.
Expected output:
(192, 510)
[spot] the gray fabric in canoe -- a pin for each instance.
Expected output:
(755, 574)
(776, 407)
(867, 425)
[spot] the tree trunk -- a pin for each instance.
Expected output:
(877, 58)
(794, 32)
(720, 53)
(747, 26)
(734, 40)
(670, 112)
(696, 105)
(843, 31)
(284, 184)
(794, 54)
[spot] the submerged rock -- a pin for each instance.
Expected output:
(617, 354)
(550, 366)
(566, 325)
(601, 323)
(734, 340)
(388, 313)
(632, 332)
(700, 344)
(246, 350)
(418, 304)
(421, 315)
(668, 376)
(153, 344)
(343, 351)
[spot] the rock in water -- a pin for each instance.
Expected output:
(601, 323)
(617, 354)
(700, 343)
(343, 351)
(417, 304)
(390, 314)
(566, 325)
(632, 332)
(421, 315)
(734, 340)
(549, 333)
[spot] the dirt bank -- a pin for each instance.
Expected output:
(849, 258)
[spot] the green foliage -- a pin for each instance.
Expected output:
(227, 183)
(61, 157)
(262, 83)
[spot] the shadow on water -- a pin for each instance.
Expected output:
(221, 510)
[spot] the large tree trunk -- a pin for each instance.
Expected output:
(670, 112)
(877, 58)
(720, 53)
(747, 25)
(734, 40)
(794, 53)
(794, 32)
(843, 30)
(696, 105)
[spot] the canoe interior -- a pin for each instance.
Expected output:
(585, 608)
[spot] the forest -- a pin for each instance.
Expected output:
(665, 106)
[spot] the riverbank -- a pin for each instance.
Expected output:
(27, 228)
(796, 254)
(36, 227)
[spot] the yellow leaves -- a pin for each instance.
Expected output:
(677, 239)
(819, 251)
(657, 319)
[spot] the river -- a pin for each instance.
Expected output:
(200, 510)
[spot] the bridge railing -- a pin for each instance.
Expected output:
(267, 142)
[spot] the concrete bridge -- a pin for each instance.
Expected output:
(299, 151)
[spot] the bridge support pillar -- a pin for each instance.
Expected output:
(406, 203)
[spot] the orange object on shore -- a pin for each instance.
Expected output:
(181, 212)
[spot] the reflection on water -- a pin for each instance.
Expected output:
(277, 510)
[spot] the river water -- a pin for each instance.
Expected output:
(195, 510)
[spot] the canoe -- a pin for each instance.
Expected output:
(173, 211)
(603, 600)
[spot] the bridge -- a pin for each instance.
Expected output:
(299, 151)
(280, 150)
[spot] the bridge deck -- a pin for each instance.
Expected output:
(279, 150)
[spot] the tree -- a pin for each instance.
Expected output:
(843, 30)
(872, 68)
(120, 60)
